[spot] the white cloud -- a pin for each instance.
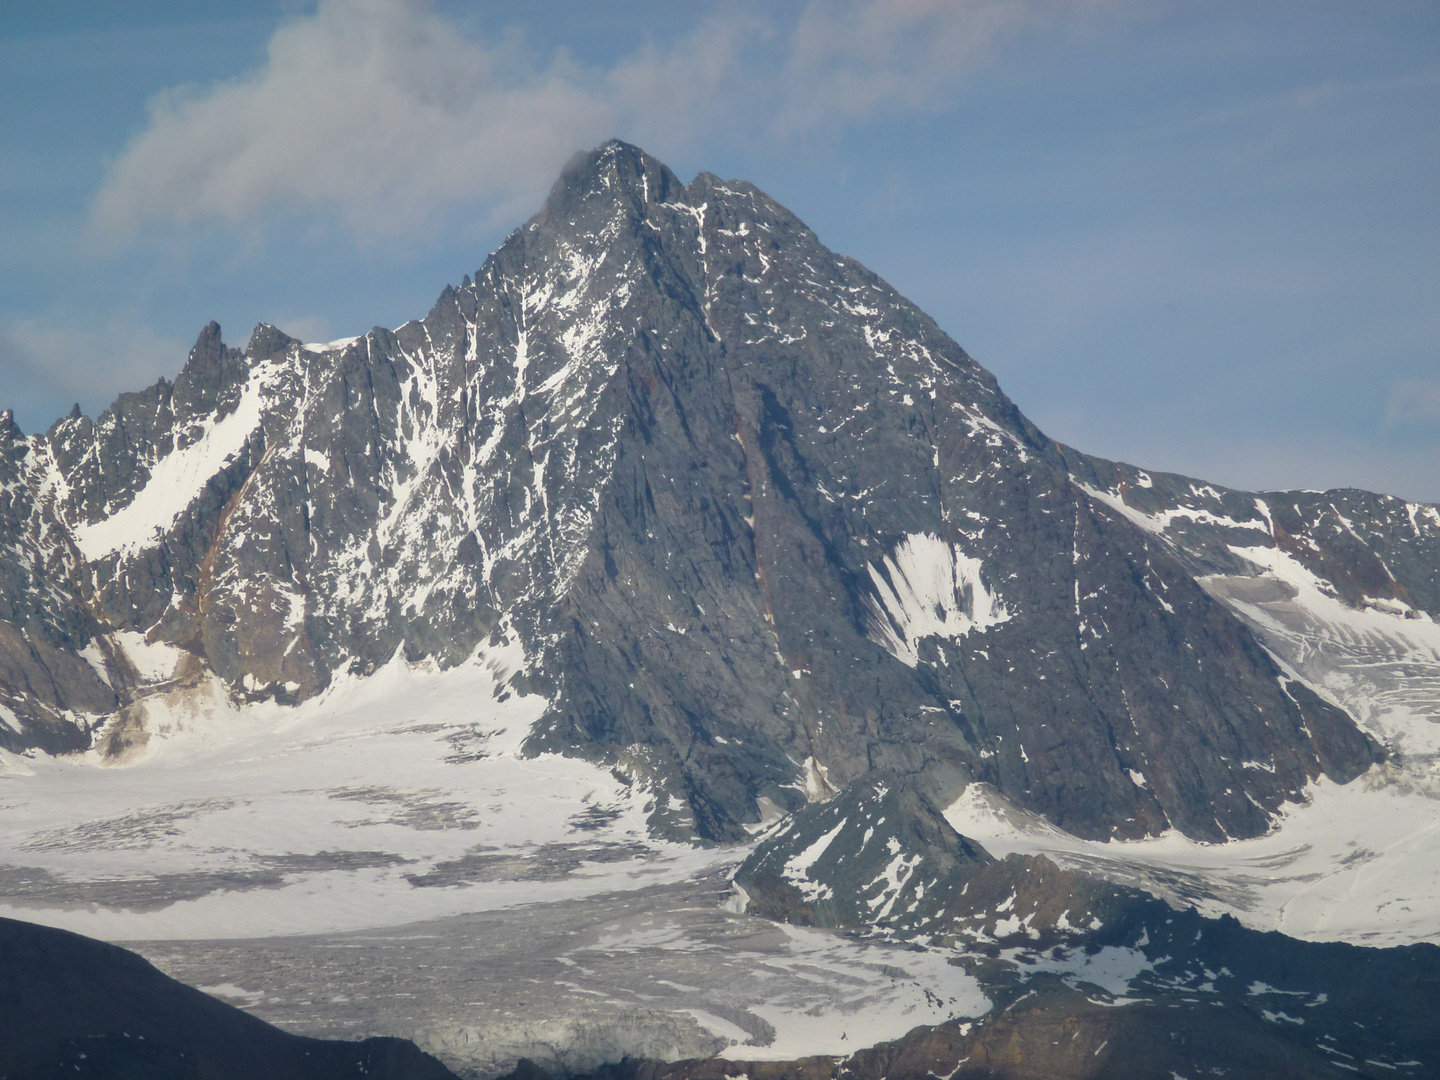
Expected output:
(851, 60)
(376, 109)
(1414, 401)
(307, 327)
(384, 114)
(47, 365)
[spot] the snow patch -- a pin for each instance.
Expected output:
(770, 813)
(737, 901)
(797, 868)
(929, 588)
(892, 880)
(153, 661)
(175, 481)
(1358, 862)
(1112, 968)
(91, 655)
(319, 347)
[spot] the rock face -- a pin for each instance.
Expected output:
(72, 1006)
(876, 854)
(49, 696)
(760, 526)
(1369, 550)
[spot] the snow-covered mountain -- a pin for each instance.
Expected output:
(673, 527)
(759, 527)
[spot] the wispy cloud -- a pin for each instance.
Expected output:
(1414, 401)
(49, 364)
(377, 110)
(849, 61)
(385, 115)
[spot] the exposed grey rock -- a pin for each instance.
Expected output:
(875, 855)
(1366, 547)
(46, 690)
(762, 528)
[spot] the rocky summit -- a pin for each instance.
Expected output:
(760, 527)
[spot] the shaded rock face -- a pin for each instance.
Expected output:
(1060, 1033)
(72, 1006)
(875, 855)
(761, 527)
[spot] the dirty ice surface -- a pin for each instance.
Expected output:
(382, 860)
(663, 971)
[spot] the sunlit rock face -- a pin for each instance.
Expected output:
(759, 525)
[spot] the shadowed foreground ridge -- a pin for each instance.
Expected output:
(72, 1006)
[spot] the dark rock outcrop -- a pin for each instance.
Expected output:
(876, 854)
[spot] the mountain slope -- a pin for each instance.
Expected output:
(760, 527)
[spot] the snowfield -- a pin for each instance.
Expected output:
(1358, 863)
(398, 797)
(485, 904)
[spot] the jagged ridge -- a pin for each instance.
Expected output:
(760, 525)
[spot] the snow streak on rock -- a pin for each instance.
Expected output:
(177, 478)
(930, 589)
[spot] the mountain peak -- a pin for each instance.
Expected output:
(267, 340)
(614, 170)
(212, 375)
(757, 524)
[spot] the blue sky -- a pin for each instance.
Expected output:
(1198, 236)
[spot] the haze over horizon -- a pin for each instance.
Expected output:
(1200, 238)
